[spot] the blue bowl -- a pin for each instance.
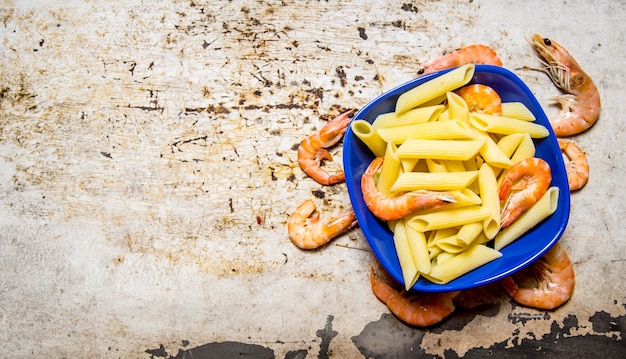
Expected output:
(515, 256)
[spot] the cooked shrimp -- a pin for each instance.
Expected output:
(308, 230)
(576, 165)
(580, 107)
(554, 275)
(523, 184)
(473, 54)
(312, 150)
(393, 207)
(481, 98)
(418, 309)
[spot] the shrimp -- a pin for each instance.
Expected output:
(418, 309)
(522, 186)
(312, 150)
(473, 54)
(577, 166)
(307, 230)
(481, 98)
(580, 106)
(554, 275)
(392, 207)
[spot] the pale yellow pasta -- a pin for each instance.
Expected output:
(444, 116)
(506, 125)
(419, 249)
(543, 208)
(488, 188)
(509, 143)
(434, 88)
(457, 265)
(448, 218)
(454, 166)
(490, 152)
(517, 110)
(369, 136)
(436, 130)
(413, 164)
(526, 149)
(407, 263)
(440, 149)
(433, 181)
(411, 117)
(389, 171)
(457, 107)
(451, 244)
(469, 232)
(436, 166)
(420, 165)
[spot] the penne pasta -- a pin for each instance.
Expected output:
(440, 149)
(436, 130)
(457, 107)
(544, 207)
(488, 187)
(518, 111)
(389, 171)
(525, 149)
(434, 88)
(369, 136)
(419, 249)
(448, 218)
(456, 265)
(491, 153)
(433, 181)
(411, 117)
(507, 125)
(407, 264)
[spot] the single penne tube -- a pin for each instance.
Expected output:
(436, 130)
(517, 110)
(444, 116)
(433, 181)
(469, 232)
(405, 257)
(488, 189)
(525, 149)
(506, 125)
(454, 166)
(509, 143)
(457, 107)
(434, 88)
(437, 235)
(448, 218)
(457, 265)
(419, 249)
(411, 164)
(411, 117)
(369, 136)
(389, 171)
(440, 149)
(451, 244)
(543, 208)
(490, 152)
(436, 166)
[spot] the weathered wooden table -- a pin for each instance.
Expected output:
(148, 167)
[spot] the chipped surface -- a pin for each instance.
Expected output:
(148, 167)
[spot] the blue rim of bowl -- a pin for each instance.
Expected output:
(516, 255)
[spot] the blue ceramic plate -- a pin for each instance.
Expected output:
(517, 255)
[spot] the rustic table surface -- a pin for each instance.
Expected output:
(148, 167)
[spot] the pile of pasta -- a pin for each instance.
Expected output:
(433, 142)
